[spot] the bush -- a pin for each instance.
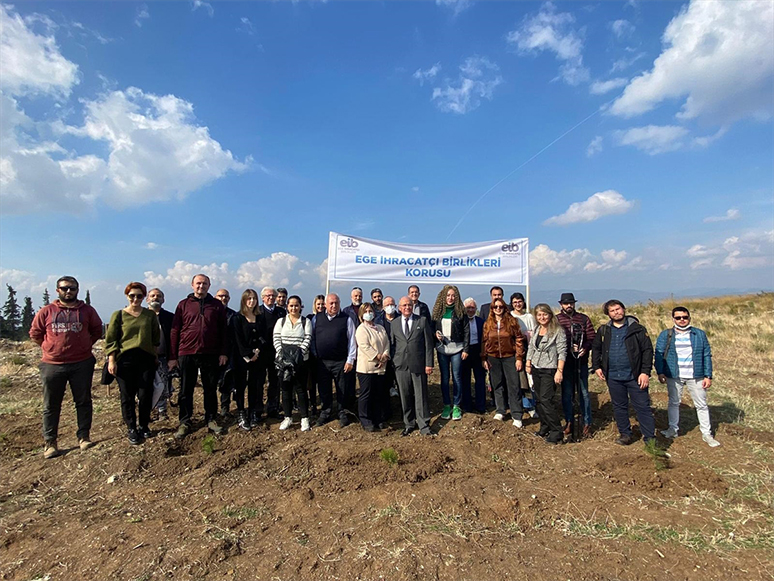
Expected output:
(389, 455)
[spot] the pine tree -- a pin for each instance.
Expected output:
(46, 298)
(11, 314)
(27, 314)
(88, 297)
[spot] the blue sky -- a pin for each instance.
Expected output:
(631, 142)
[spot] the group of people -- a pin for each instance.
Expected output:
(377, 345)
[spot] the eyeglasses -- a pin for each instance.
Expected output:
(65, 289)
(681, 318)
(498, 308)
(135, 297)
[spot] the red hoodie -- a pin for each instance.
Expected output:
(66, 334)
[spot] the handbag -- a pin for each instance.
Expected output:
(107, 377)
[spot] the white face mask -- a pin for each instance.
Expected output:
(369, 316)
(154, 304)
(390, 309)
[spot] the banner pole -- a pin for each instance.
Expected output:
(528, 303)
(327, 286)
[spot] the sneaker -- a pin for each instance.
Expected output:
(456, 413)
(244, 423)
(50, 451)
(286, 423)
(669, 433)
(498, 417)
(213, 427)
(255, 419)
(84, 444)
(344, 421)
(135, 439)
(394, 392)
(446, 413)
(182, 431)
(711, 442)
(518, 424)
(305, 427)
(145, 432)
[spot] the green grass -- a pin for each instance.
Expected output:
(242, 512)
(659, 455)
(208, 444)
(390, 456)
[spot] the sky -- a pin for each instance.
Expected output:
(631, 142)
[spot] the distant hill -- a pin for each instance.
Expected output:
(631, 296)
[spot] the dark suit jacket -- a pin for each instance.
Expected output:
(479, 328)
(424, 310)
(268, 353)
(484, 311)
(414, 352)
(165, 320)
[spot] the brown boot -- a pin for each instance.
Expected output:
(50, 450)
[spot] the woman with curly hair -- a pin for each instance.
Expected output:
(502, 354)
(452, 333)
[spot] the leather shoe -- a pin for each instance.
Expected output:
(406, 431)
(384, 426)
(344, 421)
(624, 441)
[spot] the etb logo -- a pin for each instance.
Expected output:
(510, 247)
(348, 243)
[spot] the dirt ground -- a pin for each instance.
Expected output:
(479, 500)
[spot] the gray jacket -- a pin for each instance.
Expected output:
(415, 352)
(550, 352)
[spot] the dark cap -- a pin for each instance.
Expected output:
(567, 298)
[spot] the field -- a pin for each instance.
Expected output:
(481, 500)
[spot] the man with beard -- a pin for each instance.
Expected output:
(356, 295)
(580, 337)
(376, 301)
(496, 292)
(66, 330)
(226, 379)
(155, 302)
(622, 355)
(282, 297)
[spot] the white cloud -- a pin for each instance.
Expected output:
(624, 63)
(142, 14)
(427, 74)
(594, 147)
(202, 4)
(731, 214)
(551, 31)
(602, 87)
(151, 246)
(610, 259)
(477, 80)
(415, 189)
(750, 250)
(653, 139)
(621, 28)
(456, 6)
(543, 259)
(718, 56)
(607, 203)
(246, 26)
(32, 63)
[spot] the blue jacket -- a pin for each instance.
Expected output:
(666, 364)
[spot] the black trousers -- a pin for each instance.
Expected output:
(246, 376)
(269, 370)
(546, 403)
(328, 373)
(190, 366)
(311, 383)
(503, 374)
(226, 383)
(370, 402)
(135, 374)
(296, 384)
(55, 378)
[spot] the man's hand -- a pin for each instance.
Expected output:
(439, 336)
(519, 365)
(464, 356)
(428, 370)
(347, 367)
(661, 378)
(171, 364)
(581, 352)
(223, 360)
(706, 382)
(558, 376)
(601, 374)
(643, 380)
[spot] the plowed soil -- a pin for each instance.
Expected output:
(479, 500)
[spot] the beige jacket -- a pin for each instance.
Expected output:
(372, 340)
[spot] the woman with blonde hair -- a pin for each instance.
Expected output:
(131, 341)
(452, 333)
(249, 330)
(545, 362)
(501, 354)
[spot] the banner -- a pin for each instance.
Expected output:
(504, 262)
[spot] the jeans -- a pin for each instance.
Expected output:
(621, 392)
(503, 374)
(473, 364)
(453, 362)
(699, 396)
(545, 402)
(55, 378)
(190, 365)
(568, 389)
(135, 373)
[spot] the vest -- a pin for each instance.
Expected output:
(330, 337)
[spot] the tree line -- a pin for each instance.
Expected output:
(15, 321)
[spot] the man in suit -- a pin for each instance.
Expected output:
(271, 313)
(473, 363)
(419, 308)
(496, 292)
(411, 348)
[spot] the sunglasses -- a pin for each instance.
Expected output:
(681, 318)
(64, 289)
(498, 308)
(134, 296)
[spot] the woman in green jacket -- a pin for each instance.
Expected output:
(130, 345)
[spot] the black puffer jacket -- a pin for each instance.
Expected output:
(638, 346)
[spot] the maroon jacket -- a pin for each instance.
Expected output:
(66, 334)
(588, 333)
(199, 328)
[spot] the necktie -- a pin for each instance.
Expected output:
(406, 327)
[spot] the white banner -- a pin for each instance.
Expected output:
(504, 262)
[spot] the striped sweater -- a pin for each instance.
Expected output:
(286, 333)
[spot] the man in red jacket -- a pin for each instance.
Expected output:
(66, 330)
(198, 342)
